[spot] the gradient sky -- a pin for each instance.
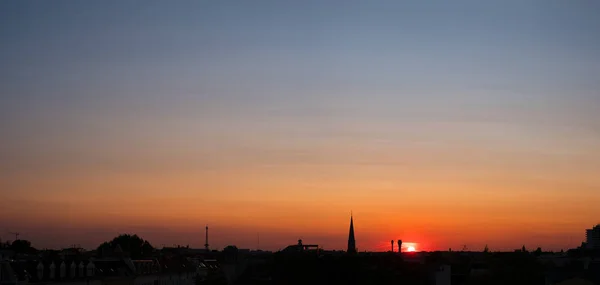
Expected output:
(441, 123)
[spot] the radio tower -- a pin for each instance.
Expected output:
(206, 240)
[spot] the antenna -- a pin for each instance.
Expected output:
(17, 234)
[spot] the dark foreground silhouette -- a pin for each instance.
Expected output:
(128, 259)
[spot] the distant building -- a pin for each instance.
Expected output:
(593, 237)
(300, 247)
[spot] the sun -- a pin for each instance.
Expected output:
(411, 249)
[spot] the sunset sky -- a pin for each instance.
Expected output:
(444, 124)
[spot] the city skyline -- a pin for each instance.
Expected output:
(441, 124)
(406, 246)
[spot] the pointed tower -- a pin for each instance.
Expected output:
(351, 241)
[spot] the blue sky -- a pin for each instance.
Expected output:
(517, 62)
(309, 52)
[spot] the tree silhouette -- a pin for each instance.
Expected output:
(486, 249)
(538, 251)
(230, 248)
(132, 244)
(230, 253)
(22, 246)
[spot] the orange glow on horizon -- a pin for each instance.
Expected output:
(280, 203)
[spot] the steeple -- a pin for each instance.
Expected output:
(351, 241)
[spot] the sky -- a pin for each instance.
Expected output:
(441, 123)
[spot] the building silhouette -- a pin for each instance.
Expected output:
(351, 240)
(300, 247)
(593, 237)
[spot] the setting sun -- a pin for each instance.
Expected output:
(411, 249)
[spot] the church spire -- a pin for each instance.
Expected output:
(351, 241)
